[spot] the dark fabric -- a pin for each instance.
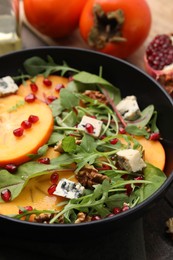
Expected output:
(112, 246)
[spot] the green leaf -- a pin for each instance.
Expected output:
(69, 144)
(68, 99)
(134, 130)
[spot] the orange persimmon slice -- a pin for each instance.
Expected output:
(154, 152)
(44, 91)
(13, 111)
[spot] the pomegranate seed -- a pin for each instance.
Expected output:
(51, 189)
(6, 195)
(58, 87)
(18, 132)
(30, 98)
(33, 119)
(110, 215)
(122, 130)
(34, 87)
(45, 160)
(11, 167)
(54, 177)
(139, 178)
(89, 127)
(128, 189)
(114, 141)
(47, 82)
(102, 137)
(26, 208)
(95, 217)
(26, 124)
(106, 167)
(51, 98)
(154, 136)
(125, 207)
(116, 210)
(125, 176)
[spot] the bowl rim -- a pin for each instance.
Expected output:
(156, 195)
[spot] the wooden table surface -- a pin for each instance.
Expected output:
(158, 245)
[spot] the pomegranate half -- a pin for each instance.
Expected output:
(158, 60)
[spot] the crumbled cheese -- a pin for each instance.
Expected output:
(128, 108)
(130, 160)
(7, 86)
(69, 189)
(96, 124)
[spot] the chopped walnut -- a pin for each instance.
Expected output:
(58, 147)
(89, 176)
(82, 217)
(96, 95)
(169, 224)
(166, 80)
(43, 218)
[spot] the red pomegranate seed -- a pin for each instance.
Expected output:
(58, 87)
(26, 124)
(6, 195)
(154, 136)
(47, 82)
(125, 207)
(11, 167)
(34, 87)
(106, 167)
(125, 176)
(18, 132)
(114, 141)
(26, 208)
(30, 98)
(139, 178)
(110, 215)
(51, 189)
(54, 177)
(33, 119)
(102, 137)
(116, 210)
(51, 98)
(122, 130)
(45, 160)
(128, 189)
(95, 217)
(89, 127)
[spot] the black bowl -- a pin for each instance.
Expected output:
(130, 80)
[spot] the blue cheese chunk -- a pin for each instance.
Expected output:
(130, 160)
(69, 189)
(7, 86)
(128, 108)
(95, 124)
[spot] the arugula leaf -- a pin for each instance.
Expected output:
(69, 144)
(134, 130)
(68, 99)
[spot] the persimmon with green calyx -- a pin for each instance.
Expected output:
(42, 90)
(13, 111)
(115, 27)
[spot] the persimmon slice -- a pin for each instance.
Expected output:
(44, 91)
(13, 111)
(154, 152)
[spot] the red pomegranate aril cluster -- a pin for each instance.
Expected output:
(34, 87)
(6, 195)
(114, 141)
(51, 98)
(51, 189)
(47, 82)
(26, 124)
(128, 189)
(154, 136)
(95, 217)
(160, 52)
(116, 210)
(122, 130)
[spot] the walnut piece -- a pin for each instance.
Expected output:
(89, 176)
(82, 217)
(96, 95)
(169, 225)
(43, 218)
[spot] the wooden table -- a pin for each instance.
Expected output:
(158, 245)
